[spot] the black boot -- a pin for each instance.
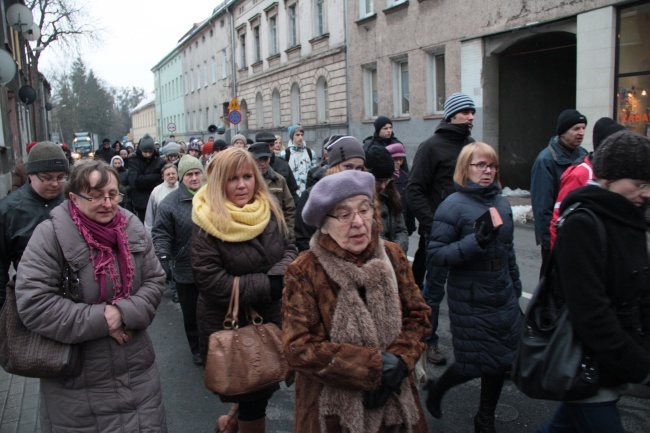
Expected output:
(437, 389)
(490, 391)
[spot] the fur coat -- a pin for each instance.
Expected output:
(309, 309)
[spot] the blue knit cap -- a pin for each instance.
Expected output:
(456, 103)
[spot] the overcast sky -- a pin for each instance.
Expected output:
(137, 35)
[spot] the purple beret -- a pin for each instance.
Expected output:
(333, 189)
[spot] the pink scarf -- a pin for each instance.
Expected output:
(103, 240)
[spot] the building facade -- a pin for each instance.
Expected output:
(290, 59)
(208, 74)
(169, 96)
(522, 63)
(144, 119)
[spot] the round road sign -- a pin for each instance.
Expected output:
(234, 116)
(171, 127)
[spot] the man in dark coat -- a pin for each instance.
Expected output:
(545, 177)
(383, 136)
(279, 165)
(430, 183)
(144, 174)
(172, 235)
(106, 152)
(21, 211)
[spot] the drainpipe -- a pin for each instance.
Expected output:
(347, 63)
(232, 53)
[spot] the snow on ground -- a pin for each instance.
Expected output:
(507, 192)
(522, 214)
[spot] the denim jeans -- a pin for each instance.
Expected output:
(584, 418)
(433, 293)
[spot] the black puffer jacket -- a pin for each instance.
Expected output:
(144, 175)
(431, 178)
(20, 213)
(607, 287)
(172, 232)
(483, 285)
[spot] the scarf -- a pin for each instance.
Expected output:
(102, 242)
(354, 322)
(246, 222)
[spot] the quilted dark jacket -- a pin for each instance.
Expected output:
(172, 232)
(483, 285)
(144, 176)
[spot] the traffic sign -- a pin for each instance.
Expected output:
(234, 116)
(171, 127)
(234, 104)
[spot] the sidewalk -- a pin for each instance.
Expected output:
(18, 404)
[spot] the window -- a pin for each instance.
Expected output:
(242, 46)
(435, 83)
(322, 101)
(259, 110)
(273, 35)
(319, 17)
(275, 101)
(391, 3)
(370, 93)
(205, 73)
(256, 42)
(366, 7)
(214, 70)
(293, 26)
(401, 88)
(224, 64)
(192, 80)
(198, 77)
(295, 104)
(200, 120)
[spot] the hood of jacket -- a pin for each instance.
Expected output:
(607, 205)
(560, 156)
(454, 132)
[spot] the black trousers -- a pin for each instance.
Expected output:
(188, 295)
(420, 262)
(490, 388)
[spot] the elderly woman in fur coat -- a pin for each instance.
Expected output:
(354, 321)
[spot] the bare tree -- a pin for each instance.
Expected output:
(65, 24)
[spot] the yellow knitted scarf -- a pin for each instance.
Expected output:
(247, 222)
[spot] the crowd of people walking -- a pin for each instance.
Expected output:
(315, 244)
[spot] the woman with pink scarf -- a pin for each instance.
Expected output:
(119, 282)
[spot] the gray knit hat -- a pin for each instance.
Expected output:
(333, 189)
(171, 148)
(147, 144)
(46, 156)
(237, 137)
(187, 163)
(456, 103)
(623, 155)
(342, 148)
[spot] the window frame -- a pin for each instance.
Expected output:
(398, 88)
(257, 44)
(435, 102)
(369, 91)
(322, 100)
(366, 8)
(273, 35)
(320, 18)
(292, 25)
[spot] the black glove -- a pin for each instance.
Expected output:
(164, 262)
(394, 370)
(277, 283)
(485, 236)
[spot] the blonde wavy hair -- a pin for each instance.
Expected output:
(224, 166)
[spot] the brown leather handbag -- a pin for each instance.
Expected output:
(247, 359)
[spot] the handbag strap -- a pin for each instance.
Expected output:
(230, 321)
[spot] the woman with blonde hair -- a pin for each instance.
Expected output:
(483, 285)
(240, 231)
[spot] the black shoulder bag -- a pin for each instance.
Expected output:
(551, 362)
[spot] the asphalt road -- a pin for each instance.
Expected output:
(193, 409)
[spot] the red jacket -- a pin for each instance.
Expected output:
(574, 177)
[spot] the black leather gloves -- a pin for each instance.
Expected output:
(485, 236)
(277, 283)
(394, 370)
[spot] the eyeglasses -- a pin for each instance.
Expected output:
(346, 217)
(643, 186)
(482, 166)
(60, 179)
(117, 198)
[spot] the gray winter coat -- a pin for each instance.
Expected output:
(483, 284)
(118, 389)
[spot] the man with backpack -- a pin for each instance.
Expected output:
(299, 157)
